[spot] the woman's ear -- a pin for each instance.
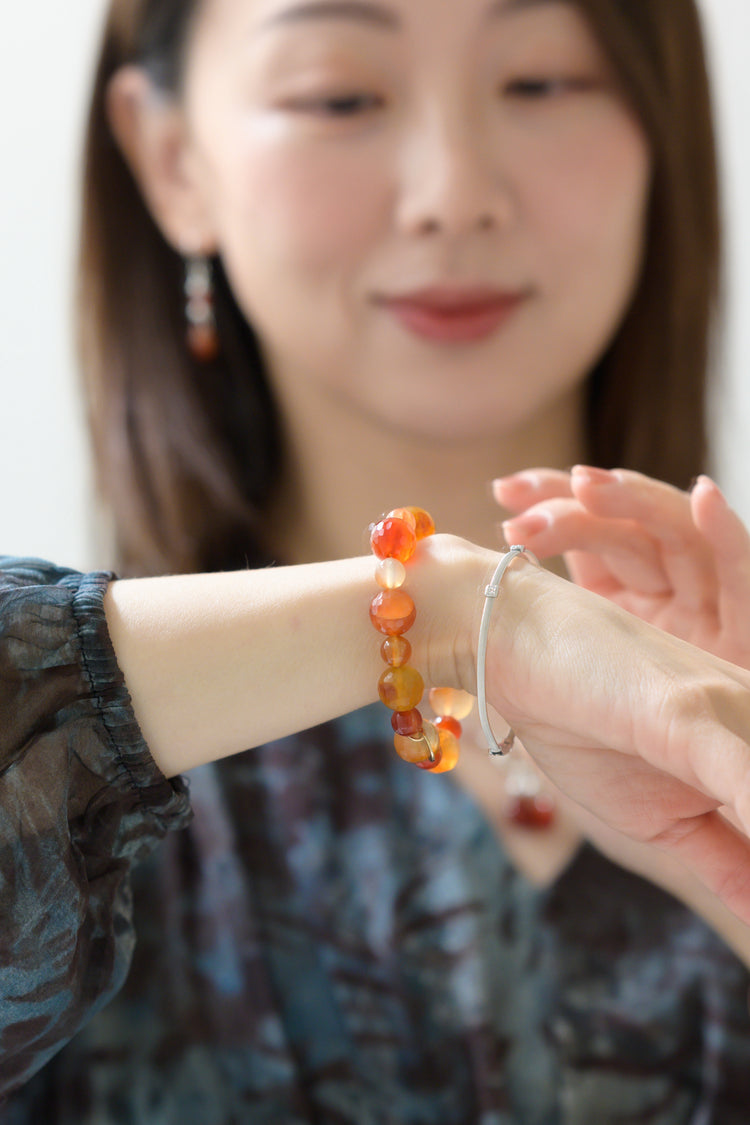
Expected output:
(150, 128)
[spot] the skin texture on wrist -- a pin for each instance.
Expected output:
(446, 578)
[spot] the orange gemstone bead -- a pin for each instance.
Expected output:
(401, 688)
(392, 612)
(447, 722)
(407, 722)
(419, 750)
(451, 701)
(411, 750)
(404, 514)
(390, 574)
(449, 750)
(425, 524)
(393, 539)
(396, 651)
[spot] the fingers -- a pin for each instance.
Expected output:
(522, 490)
(729, 542)
(549, 526)
(652, 807)
(627, 554)
(679, 559)
(642, 529)
(717, 854)
(660, 509)
(663, 513)
(588, 570)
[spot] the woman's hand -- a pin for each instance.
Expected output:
(648, 733)
(678, 560)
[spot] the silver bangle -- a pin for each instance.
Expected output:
(490, 595)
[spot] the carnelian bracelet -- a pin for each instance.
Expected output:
(434, 745)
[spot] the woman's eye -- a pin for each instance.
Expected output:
(338, 105)
(539, 88)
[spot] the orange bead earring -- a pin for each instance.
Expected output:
(202, 337)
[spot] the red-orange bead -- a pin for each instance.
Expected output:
(531, 810)
(431, 763)
(404, 514)
(396, 651)
(447, 722)
(450, 751)
(401, 688)
(424, 523)
(392, 612)
(407, 722)
(203, 341)
(393, 539)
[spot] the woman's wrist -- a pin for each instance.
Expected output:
(447, 578)
(216, 663)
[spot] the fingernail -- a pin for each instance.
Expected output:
(708, 482)
(526, 478)
(529, 525)
(589, 474)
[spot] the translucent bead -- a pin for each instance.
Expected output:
(407, 722)
(449, 749)
(405, 514)
(393, 539)
(413, 750)
(396, 651)
(392, 612)
(419, 751)
(451, 702)
(390, 574)
(436, 756)
(401, 688)
(447, 722)
(425, 524)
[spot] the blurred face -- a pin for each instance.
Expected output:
(431, 212)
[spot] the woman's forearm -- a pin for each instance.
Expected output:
(217, 663)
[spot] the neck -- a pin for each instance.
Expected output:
(344, 470)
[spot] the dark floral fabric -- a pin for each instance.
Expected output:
(332, 937)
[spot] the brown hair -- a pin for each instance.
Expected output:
(647, 398)
(188, 454)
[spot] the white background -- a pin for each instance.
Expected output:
(46, 53)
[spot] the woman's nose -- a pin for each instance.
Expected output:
(451, 181)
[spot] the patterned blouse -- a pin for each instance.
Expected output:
(316, 934)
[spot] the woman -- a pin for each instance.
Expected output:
(440, 243)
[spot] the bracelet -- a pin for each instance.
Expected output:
(432, 746)
(490, 596)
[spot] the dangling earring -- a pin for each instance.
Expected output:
(202, 337)
(528, 804)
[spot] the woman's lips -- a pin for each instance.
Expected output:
(453, 317)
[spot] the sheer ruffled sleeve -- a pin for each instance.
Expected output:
(81, 800)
